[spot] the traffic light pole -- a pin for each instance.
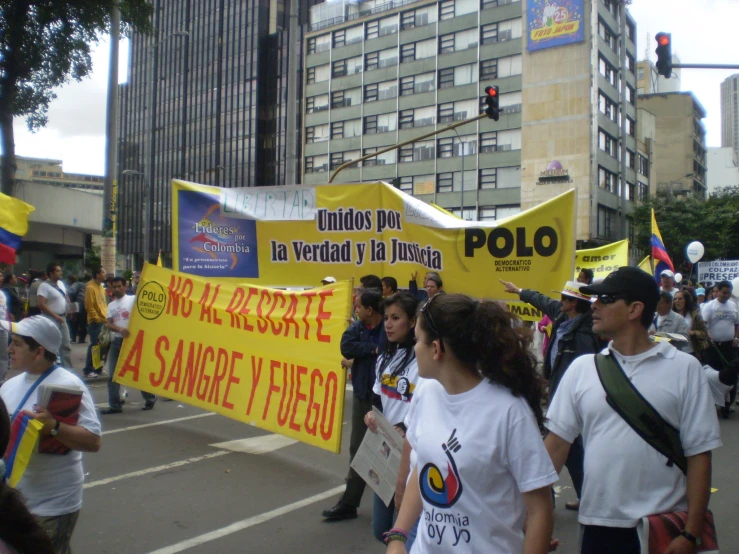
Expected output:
(410, 141)
(703, 66)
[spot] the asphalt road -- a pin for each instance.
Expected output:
(177, 479)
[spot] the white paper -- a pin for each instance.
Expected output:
(378, 459)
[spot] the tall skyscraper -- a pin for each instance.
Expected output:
(730, 114)
(207, 101)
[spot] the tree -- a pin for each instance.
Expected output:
(713, 222)
(44, 44)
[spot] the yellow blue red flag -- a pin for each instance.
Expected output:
(13, 226)
(659, 252)
(24, 433)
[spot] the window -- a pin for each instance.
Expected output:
(317, 133)
(488, 179)
(316, 164)
(454, 146)
(607, 143)
(446, 44)
(510, 65)
(407, 85)
(510, 102)
(407, 119)
(493, 3)
(352, 128)
(501, 177)
(503, 212)
(630, 159)
(643, 191)
(489, 33)
(373, 30)
(643, 165)
(319, 44)
(446, 78)
(349, 97)
(630, 192)
(608, 36)
(488, 142)
(371, 61)
(612, 7)
(389, 25)
(336, 160)
(408, 52)
(465, 108)
(509, 140)
(455, 42)
(607, 180)
(318, 74)
(406, 184)
(423, 150)
(607, 107)
(406, 153)
(383, 58)
(348, 36)
(370, 92)
(337, 130)
(446, 112)
(446, 9)
(468, 213)
(444, 182)
(605, 217)
(316, 103)
(501, 31)
(408, 20)
(338, 69)
(382, 159)
(419, 17)
(380, 91)
(630, 62)
(445, 147)
(487, 213)
(465, 74)
(630, 96)
(489, 69)
(339, 38)
(462, 7)
(630, 126)
(607, 71)
(382, 123)
(418, 117)
(631, 31)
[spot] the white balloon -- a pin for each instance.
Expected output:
(695, 251)
(678, 277)
(735, 284)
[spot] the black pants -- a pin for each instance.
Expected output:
(355, 485)
(609, 540)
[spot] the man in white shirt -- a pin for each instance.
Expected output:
(52, 301)
(722, 322)
(625, 477)
(52, 483)
(667, 279)
(119, 315)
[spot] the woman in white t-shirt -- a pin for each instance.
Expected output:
(397, 378)
(482, 473)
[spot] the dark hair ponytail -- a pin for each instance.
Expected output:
(18, 527)
(489, 339)
(409, 304)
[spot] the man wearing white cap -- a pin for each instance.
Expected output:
(572, 336)
(667, 278)
(52, 483)
(328, 280)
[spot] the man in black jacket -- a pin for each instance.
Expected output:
(572, 336)
(360, 343)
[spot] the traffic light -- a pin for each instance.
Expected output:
(492, 100)
(664, 54)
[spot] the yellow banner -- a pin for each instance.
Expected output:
(267, 357)
(603, 260)
(297, 235)
(558, 30)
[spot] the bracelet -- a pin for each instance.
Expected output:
(395, 534)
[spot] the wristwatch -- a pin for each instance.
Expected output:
(692, 538)
(55, 430)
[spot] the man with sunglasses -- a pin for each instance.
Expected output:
(626, 479)
(572, 336)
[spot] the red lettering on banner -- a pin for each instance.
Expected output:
(162, 363)
(245, 310)
(309, 296)
(281, 420)
(204, 377)
(302, 370)
(179, 289)
(272, 387)
(133, 360)
(331, 379)
(234, 305)
(191, 370)
(231, 379)
(175, 370)
(323, 315)
(262, 323)
(289, 317)
(256, 372)
(218, 376)
(207, 310)
(312, 405)
(275, 329)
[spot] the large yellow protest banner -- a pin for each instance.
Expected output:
(296, 235)
(603, 260)
(263, 356)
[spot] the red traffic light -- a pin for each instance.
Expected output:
(491, 91)
(663, 40)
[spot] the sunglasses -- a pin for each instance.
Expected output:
(430, 320)
(610, 298)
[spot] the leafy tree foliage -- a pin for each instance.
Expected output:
(43, 45)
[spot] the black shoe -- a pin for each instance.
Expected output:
(725, 413)
(148, 406)
(342, 510)
(106, 411)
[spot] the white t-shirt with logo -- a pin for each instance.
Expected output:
(720, 319)
(52, 483)
(120, 310)
(396, 391)
(55, 299)
(476, 453)
(625, 478)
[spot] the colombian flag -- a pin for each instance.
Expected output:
(13, 226)
(24, 433)
(659, 252)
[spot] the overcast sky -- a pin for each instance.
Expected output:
(702, 32)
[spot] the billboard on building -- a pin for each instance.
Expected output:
(554, 23)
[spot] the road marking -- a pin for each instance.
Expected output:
(165, 422)
(248, 522)
(156, 469)
(256, 445)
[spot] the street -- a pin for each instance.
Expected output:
(177, 479)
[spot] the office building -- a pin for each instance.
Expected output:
(722, 169)
(730, 114)
(648, 81)
(50, 172)
(207, 100)
(680, 146)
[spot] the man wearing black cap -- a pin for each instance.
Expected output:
(625, 477)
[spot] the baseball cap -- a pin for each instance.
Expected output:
(328, 280)
(700, 291)
(667, 273)
(39, 328)
(631, 282)
(574, 289)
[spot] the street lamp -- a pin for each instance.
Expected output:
(146, 230)
(676, 181)
(151, 132)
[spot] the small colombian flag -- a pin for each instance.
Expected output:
(24, 433)
(13, 226)
(659, 252)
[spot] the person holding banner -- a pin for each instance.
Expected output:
(360, 343)
(397, 380)
(52, 483)
(482, 473)
(96, 306)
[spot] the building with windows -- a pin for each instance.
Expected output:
(377, 74)
(730, 114)
(680, 145)
(648, 81)
(50, 172)
(723, 169)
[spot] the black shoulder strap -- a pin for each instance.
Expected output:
(638, 413)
